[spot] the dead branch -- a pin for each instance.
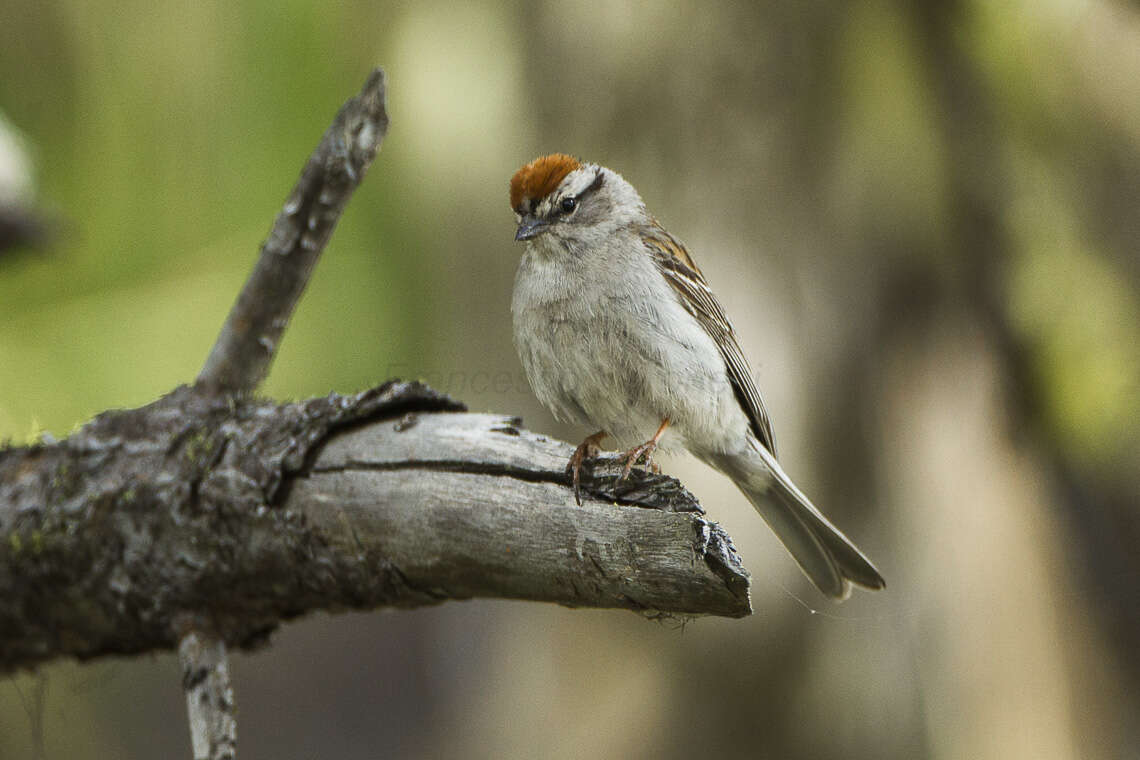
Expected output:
(207, 518)
(248, 513)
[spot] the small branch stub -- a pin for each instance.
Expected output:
(209, 696)
(248, 341)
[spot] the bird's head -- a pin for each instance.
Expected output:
(561, 200)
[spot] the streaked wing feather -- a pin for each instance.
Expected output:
(682, 274)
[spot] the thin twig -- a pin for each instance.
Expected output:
(248, 341)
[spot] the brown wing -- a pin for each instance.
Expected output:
(682, 273)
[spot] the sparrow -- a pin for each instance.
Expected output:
(617, 329)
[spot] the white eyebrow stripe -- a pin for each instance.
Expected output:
(578, 180)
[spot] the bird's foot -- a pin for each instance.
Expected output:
(637, 453)
(645, 451)
(587, 449)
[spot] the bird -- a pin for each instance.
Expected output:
(618, 330)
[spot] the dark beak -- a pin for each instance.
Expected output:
(529, 227)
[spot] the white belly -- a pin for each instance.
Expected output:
(622, 356)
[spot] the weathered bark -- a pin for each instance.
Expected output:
(245, 513)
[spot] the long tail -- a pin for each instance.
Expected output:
(825, 555)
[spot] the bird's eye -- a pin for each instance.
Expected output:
(568, 205)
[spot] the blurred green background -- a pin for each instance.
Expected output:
(924, 219)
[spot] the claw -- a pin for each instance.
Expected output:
(587, 449)
(636, 453)
(644, 450)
